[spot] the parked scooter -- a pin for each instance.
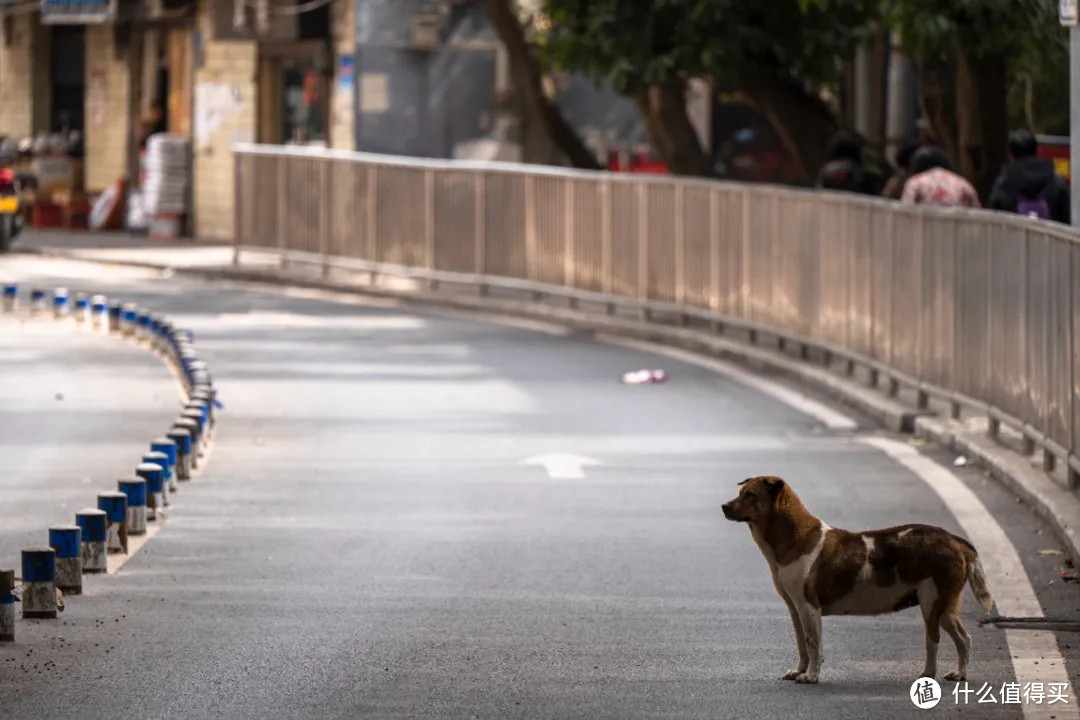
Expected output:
(11, 219)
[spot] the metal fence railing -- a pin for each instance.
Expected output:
(980, 309)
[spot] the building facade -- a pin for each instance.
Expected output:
(216, 72)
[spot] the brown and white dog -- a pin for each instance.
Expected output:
(819, 570)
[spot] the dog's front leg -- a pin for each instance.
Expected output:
(810, 619)
(800, 637)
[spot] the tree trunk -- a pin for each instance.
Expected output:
(982, 118)
(803, 122)
(937, 101)
(528, 81)
(663, 108)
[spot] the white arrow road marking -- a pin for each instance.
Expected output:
(562, 466)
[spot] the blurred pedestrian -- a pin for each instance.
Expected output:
(933, 182)
(894, 188)
(1028, 184)
(844, 169)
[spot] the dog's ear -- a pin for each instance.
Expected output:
(740, 484)
(774, 485)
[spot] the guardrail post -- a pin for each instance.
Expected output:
(282, 209)
(569, 279)
(39, 583)
(993, 427)
(82, 308)
(166, 447)
(429, 225)
(480, 225)
(1049, 460)
(325, 213)
(642, 237)
(66, 542)
(7, 606)
(238, 204)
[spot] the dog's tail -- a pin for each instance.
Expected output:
(977, 581)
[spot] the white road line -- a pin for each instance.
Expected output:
(1035, 654)
(829, 417)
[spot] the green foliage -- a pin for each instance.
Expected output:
(631, 44)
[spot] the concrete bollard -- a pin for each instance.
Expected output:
(66, 542)
(182, 438)
(205, 394)
(142, 326)
(7, 606)
(154, 477)
(202, 407)
(128, 313)
(82, 308)
(39, 583)
(11, 298)
(162, 461)
(166, 447)
(37, 301)
(60, 303)
(99, 313)
(95, 534)
(135, 489)
(115, 506)
(115, 311)
(192, 426)
(198, 414)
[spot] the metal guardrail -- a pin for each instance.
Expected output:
(976, 308)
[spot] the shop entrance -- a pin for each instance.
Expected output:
(67, 71)
(294, 90)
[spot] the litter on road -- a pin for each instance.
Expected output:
(644, 377)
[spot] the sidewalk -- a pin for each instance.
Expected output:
(1021, 474)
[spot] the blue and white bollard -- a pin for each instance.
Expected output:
(135, 489)
(166, 447)
(7, 606)
(37, 301)
(82, 308)
(182, 438)
(115, 312)
(142, 326)
(128, 315)
(154, 477)
(115, 506)
(99, 313)
(60, 303)
(39, 583)
(198, 414)
(66, 542)
(202, 407)
(11, 298)
(95, 534)
(205, 394)
(162, 461)
(192, 426)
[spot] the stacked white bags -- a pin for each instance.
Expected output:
(167, 173)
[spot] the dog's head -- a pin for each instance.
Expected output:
(756, 500)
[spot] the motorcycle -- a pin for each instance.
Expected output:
(11, 219)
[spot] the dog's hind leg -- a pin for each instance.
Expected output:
(932, 609)
(800, 638)
(950, 621)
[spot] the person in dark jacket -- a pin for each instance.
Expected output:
(1028, 184)
(844, 169)
(894, 188)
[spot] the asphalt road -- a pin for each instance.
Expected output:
(367, 542)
